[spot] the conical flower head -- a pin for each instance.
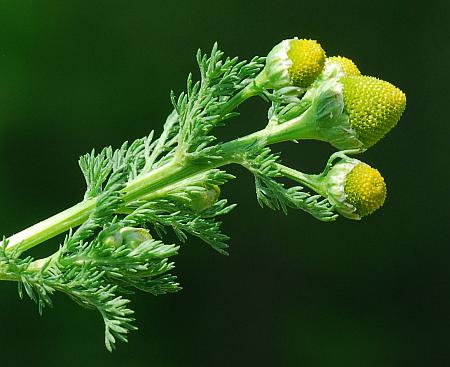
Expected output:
(348, 67)
(355, 188)
(373, 106)
(293, 62)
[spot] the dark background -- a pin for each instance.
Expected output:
(295, 292)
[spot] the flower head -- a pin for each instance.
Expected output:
(355, 188)
(293, 62)
(373, 106)
(348, 111)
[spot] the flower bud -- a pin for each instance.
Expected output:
(110, 238)
(131, 237)
(373, 106)
(205, 198)
(293, 62)
(355, 188)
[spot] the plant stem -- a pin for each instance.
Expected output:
(172, 172)
(176, 170)
(52, 226)
(250, 90)
(302, 127)
(314, 182)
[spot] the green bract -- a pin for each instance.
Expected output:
(172, 182)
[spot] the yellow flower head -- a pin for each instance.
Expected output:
(293, 62)
(373, 106)
(365, 189)
(355, 188)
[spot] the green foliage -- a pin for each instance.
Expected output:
(162, 214)
(155, 184)
(263, 164)
(205, 104)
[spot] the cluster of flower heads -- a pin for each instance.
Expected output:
(371, 107)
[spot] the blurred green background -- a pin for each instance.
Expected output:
(295, 292)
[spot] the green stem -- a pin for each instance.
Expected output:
(52, 226)
(8, 277)
(181, 169)
(303, 127)
(250, 90)
(170, 173)
(314, 182)
(77, 214)
(175, 171)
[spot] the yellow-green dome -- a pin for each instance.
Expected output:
(374, 106)
(365, 189)
(348, 66)
(308, 59)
